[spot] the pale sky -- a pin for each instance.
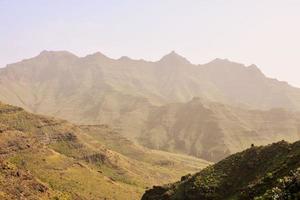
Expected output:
(261, 32)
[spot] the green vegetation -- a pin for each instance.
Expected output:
(260, 173)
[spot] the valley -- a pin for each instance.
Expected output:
(46, 158)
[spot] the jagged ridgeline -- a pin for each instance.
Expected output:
(47, 158)
(259, 173)
(166, 105)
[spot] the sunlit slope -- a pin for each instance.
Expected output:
(49, 158)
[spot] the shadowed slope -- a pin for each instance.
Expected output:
(213, 131)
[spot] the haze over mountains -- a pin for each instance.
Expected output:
(213, 130)
(219, 80)
(154, 104)
(219, 122)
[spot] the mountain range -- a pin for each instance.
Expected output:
(94, 127)
(209, 111)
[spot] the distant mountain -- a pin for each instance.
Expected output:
(55, 82)
(46, 158)
(152, 102)
(258, 173)
(249, 86)
(213, 130)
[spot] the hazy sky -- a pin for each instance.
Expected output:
(262, 32)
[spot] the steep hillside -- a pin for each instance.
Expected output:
(213, 131)
(46, 158)
(260, 173)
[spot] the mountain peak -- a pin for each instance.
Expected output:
(255, 70)
(227, 64)
(253, 67)
(97, 55)
(174, 58)
(221, 60)
(57, 54)
(124, 58)
(173, 53)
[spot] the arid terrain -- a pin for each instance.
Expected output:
(208, 111)
(149, 100)
(46, 158)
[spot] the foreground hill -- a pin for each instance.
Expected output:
(46, 158)
(213, 130)
(260, 173)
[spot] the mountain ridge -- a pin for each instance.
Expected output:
(172, 54)
(126, 93)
